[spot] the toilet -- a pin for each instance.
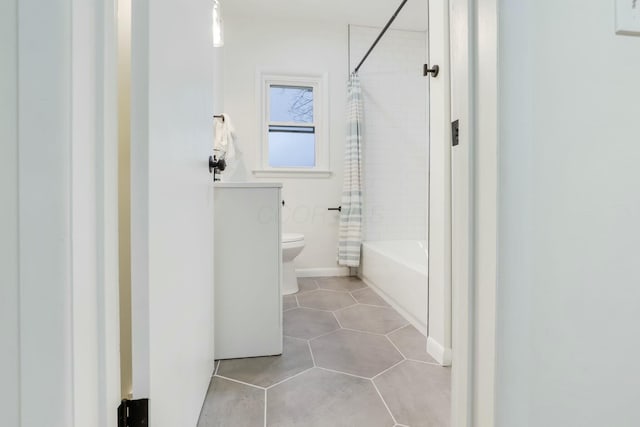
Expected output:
(292, 245)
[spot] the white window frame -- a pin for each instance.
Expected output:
(319, 83)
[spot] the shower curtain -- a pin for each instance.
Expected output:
(350, 230)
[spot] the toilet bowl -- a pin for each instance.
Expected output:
(292, 245)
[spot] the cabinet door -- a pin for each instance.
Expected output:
(248, 272)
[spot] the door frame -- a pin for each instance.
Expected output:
(94, 213)
(474, 101)
(473, 26)
(68, 327)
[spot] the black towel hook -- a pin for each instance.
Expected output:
(434, 71)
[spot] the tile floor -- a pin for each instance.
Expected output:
(349, 360)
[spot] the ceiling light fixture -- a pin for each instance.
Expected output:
(218, 30)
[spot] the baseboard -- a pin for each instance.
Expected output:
(438, 352)
(404, 313)
(323, 272)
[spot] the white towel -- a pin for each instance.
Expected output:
(225, 146)
(223, 139)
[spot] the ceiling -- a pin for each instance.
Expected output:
(358, 12)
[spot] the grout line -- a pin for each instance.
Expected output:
(265, 407)
(335, 291)
(336, 317)
(313, 359)
(324, 335)
(349, 306)
(396, 330)
(388, 369)
(344, 373)
(395, 346)
(384, 402)
(377, 306)
(304, 292)
(344, 308)
(298, 338)
(240, 382)
(365, 332)
(289, 378)
(318, 309)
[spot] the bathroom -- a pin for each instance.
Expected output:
(543, 207)
(318, 46)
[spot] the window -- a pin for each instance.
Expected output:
(294, 138)
(291, 126)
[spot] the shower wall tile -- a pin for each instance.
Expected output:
(395, 139)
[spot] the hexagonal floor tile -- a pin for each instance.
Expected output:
(289, 302)
(306, 284)
(320, 398)
(355, 353)
(418, 394)
(266, 371)
(379, 320)
(231, 404)
(306, 323)
(344, 284)
(326, 300)
(369, 296)
(412, 344)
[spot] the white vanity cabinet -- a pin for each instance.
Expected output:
(247, 275)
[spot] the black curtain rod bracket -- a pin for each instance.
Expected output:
(384, 30)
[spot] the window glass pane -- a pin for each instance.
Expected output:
(291, 104)
(292, 150)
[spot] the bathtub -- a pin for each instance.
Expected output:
(397, 271)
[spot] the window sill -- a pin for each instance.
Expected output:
(292, 173)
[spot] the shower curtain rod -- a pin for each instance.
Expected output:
(384, 30)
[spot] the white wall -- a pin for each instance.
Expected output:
(253, 43)
(395, 138)
(45, 305)
(9, 267)
(568, 278)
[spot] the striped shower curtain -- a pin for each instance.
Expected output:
(350, 231)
